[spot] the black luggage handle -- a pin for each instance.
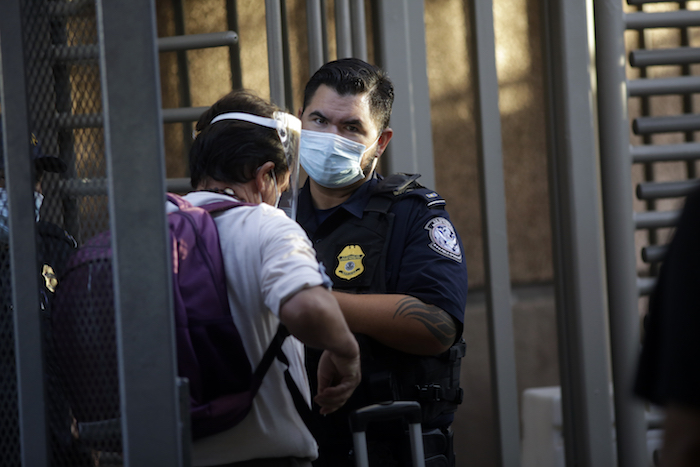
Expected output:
(409, 411)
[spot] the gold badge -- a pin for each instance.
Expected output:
(49, 278)
(350, 262)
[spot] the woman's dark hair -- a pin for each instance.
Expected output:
(230, 151)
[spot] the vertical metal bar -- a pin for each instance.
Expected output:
(577, 231)
(66, 141)
(415, 434)
(613, 130)
(343, 29)
(235, 50)
(314, 27)
(324, 31)
(647, 139)
(183, 74)
(136, 183)
(23, 253)
(359, 34)
(275, 57)
(401, 52)
(183, 386)
(687, 98)
(493, 209)
(287, 67)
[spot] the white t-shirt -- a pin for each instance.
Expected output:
(268, 258)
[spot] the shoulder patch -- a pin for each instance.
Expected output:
(443, 238)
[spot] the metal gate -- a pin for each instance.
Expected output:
(81, 78)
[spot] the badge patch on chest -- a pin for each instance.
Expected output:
(443, 238)
(350, 262)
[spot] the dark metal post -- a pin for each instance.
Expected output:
(136, 174)
(343, 29)
(314, 26)
(613, 130)
(183, 75)
(234, 50)
(275, 56)
(577, 234)
(493, 209)
(23, 253)
(359, 34)
(401, 52)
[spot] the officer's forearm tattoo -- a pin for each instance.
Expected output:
(437, 321)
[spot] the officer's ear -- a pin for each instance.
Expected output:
(384, 139)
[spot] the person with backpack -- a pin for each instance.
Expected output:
(395, 260)
(247, 150)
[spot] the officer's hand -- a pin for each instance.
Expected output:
(337, 379)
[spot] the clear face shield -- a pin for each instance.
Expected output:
(289, 131)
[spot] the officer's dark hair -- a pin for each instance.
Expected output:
(354, 76)
(230, 151)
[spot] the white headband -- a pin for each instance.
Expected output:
(246, 117)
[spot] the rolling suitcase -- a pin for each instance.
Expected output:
(409, 411)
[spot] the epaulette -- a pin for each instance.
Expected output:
(49, 230)
(400, 184)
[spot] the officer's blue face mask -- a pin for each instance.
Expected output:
(331, 160)
(5, 213)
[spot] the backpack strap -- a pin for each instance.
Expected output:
(211, 208)
(275, 350)
(178, 201)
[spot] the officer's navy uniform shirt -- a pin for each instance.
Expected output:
(434, 275)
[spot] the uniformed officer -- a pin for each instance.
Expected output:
(395, 260)
(54, 246)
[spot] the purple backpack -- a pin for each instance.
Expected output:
(209, 348)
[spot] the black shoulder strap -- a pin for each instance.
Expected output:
(398, 184)
(388, 189)
(275, 351)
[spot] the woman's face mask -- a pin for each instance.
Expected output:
(331, 160)
(5, 213)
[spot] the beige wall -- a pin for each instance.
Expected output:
(452, 99)
(521, 102)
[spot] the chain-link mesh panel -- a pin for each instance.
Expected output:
(9, 416)
(79, 345)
